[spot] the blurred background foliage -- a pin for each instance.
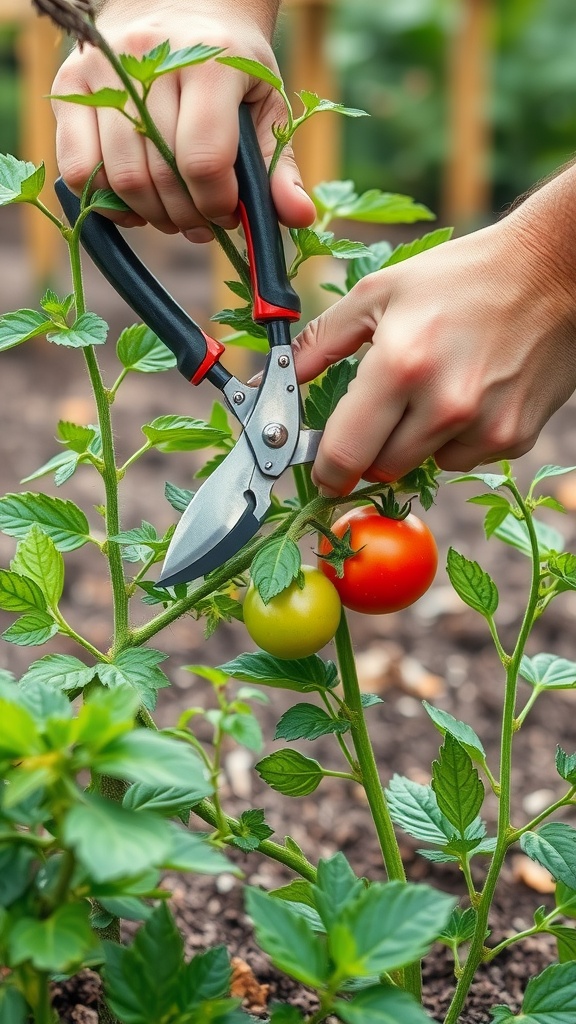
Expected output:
(392, 58)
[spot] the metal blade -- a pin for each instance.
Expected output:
(223, 515)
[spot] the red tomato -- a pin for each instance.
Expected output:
(396, 565)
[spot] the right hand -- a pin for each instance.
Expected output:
(195, 109)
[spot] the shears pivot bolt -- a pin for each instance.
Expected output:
(274, 435)
(283, 361)
(238, 397)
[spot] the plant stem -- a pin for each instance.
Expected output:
(43, 1013)
(370, 777)
(527, 707)
(564, 801)
(505, 835)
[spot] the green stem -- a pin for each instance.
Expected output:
(370, 777)
(341, 741)
(496, 950)
(148, 128)
(215, 776)
(67, 630)
(43, 1013)
(352, 776)
(465, 865)
(564, 801)
(519, 720)
(505, 835)
(48, 213)
(504, 657)
(133, 458)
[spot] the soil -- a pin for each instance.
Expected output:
(439, 649)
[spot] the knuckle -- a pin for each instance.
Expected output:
(139, 38)
(208, 165)
(126, 180)
(457, 410)
(75, 174)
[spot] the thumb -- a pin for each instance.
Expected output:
(293, 205)
(343, 328)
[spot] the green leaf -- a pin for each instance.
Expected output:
(137, 667)
(141, 351)
(304, 676)
(243, 339)
(88, 329)
(20, 180)
(61, 671)
(299, 890)
(62, 521)
(329, 196)
(31, 630)
(115, 98)
(178, 497)
(245, 729)
(114, 842)
(38, 558)
(368, 700)
(459, 927)
(446, 723)
(143, 68)
(253, 68)
(387, 927)
(492, 480)
(106, 199)
(142, 979)
(376, 207)
(139, 543)
(458, 788)
(13, 1006)
(58, 943)
(311, 242)
(325, 393)
(406, 250)
(565, 941)
(514, 532)
(290, 772)
(566, 765)
(563, 566)
(306, 721)
(554, 847)
(15, 872)
(56, 307)
(313, 104)
(549, 672)
(181, 434)
(18, 327)
(381, 1004)
(186, 57)
(253, 829)
(565, 900)
(155, 760)
(206, 977)
(241, 321)
(550, 998)
(476, 588)
(281, 1014)
(275, 567)
(379, 254)
(192, 852)
(336, 887)
(288, 939)
(19, 593)
(546, 471)
(415, 808)
(76, 436)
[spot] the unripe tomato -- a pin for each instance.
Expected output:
(298, 621)
(395, 563)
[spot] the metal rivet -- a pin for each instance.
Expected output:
(267, 465)
(238, 397)
(274, 435)
(283, 361)
(290, 388)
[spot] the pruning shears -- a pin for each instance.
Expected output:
(228, 508)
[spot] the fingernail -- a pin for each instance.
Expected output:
(199, 235)
(225, 222)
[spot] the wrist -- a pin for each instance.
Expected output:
(260, 13)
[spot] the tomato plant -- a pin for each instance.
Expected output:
(297, 622)
(394, 563)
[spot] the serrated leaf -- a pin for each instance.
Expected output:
(368, 700)
(566, 765)
(142, 756)
(492, 480)
(299, 890)
(178, 497)
(546, 471)
(476, 587)
(60, 671)
(304, 676)
(306, 721)
(181, 434)
(241, 321)
(554, 847)
(563, 566)
(549, 672)
(62, 521)
(550, 998)
(186, 57)
(31, 630)
(313, 104)
(377, 207)
(406, 250)
(143, 68)
(379, 253)
(76, 436)
(446, 723)
(15, 328)
(141, 351)
(115, 98)
(380, 1004)
(311, 242)
(38, 558)
(415, 808)
(325, 392)
(244, 339)
(253, 68)
(460, 927)
(253, 829)
(193, 852)
(565, 941)
(275, 567)
(106, 199)
(137, 667)
(19, 593)
(20, 180)
(329, 196)
(288, 939)
(455, 781)
(414, 916)
(87, 330)
(290, 772)
(565, 898)
(336, 887)
(113, 842)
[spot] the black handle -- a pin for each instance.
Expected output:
(143, 292)
(274, 296)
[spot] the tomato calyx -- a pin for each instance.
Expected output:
(386, 505)
(341, 548)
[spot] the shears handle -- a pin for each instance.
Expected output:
(196, 353)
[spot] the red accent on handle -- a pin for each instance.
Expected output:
(214, 350)
(261, 309)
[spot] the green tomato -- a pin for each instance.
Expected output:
(298, 621)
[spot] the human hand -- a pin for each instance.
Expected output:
(472, 350)
(195, 109)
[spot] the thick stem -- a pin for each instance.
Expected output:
(43, 1013)
(370, 777)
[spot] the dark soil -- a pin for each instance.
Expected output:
(439, 649)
